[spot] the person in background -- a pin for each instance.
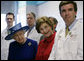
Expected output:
(5, 44)
(32, 33)
(55, 22)
(69, 41)
(22, 48)
(45, 27)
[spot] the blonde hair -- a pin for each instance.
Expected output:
(41, 20)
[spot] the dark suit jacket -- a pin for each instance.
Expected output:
(27, 51)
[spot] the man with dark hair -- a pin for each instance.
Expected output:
(9, 19)
(69, 41)
(5, 44)
(68, 2)
(9, 13)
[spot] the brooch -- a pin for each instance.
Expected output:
(29, 44)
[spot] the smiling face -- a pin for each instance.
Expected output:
(19, 37)
(68, 13)
(46, 29)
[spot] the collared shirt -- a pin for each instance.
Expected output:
(30, 28)
(70, 27)
(33, 34)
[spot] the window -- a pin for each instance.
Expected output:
(3, 22)
(21, 17)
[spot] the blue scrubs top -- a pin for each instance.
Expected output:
(27, 51)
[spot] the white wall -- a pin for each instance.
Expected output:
(51, 8)
(80, 9)
(31, 8)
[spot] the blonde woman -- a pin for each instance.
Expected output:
(45, 27)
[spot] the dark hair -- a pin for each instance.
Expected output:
(68, 2)
(54, 20)
(41, 20)
(9, 13)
